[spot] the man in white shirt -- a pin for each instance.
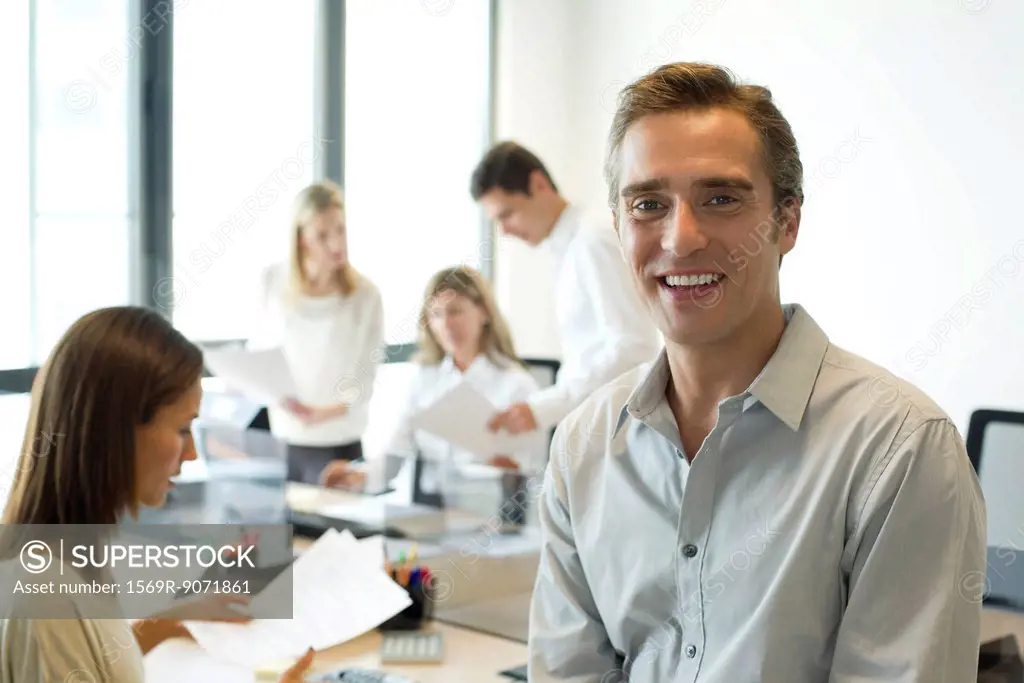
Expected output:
(603, 324)
(757, 504)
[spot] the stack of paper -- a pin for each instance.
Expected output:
(262, 375)
(340, 592)
(460, 417)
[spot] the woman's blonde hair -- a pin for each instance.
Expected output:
(320, 196)
(495, 340)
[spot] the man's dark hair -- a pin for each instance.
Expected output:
(507, 166)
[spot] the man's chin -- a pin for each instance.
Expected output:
(698, 330)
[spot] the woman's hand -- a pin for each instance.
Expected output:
(504, 462)
(297, 673)
(340, 474)
(169, 624)
(314, 414)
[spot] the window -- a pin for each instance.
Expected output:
(244, 145)
(243, 83)
(417, 114)
(15, 243)
(68, 224)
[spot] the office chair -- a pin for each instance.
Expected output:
(995, 446)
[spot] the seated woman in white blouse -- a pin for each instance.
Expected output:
(463, 338)
(328, 320)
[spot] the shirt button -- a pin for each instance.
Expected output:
(691, 651)
(690, 550)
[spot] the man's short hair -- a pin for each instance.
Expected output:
(692, 86)
(506, 166)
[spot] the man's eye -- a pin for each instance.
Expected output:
(647, 205)
(722, 200)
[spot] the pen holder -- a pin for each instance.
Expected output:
(413, 616)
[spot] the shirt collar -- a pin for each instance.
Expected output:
(481, 364)
(784, 385)
(566, 227)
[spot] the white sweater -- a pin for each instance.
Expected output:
(333, 345)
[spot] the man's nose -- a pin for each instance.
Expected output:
(683, 234)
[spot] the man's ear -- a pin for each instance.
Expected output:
(615, 220)
(538, 182)
(789, 225)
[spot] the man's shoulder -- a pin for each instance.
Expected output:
(873, 393)
(590, 427)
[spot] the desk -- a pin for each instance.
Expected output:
(483, 617)
(996, 623)
(469, 656)
(497, 605)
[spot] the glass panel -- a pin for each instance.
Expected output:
(416, 120)
(84, 54)
(15, 276)
(244, 146)
(81, 263)
(66, 234)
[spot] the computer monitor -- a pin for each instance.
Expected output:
(995, 444)
(239, 477)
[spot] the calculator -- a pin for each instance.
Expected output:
(355, 675)
(411, 647)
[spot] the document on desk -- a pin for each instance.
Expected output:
(263, 374)
(340, 592)
(460, 417)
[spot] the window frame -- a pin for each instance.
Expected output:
(151, 157)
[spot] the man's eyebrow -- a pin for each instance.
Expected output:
(710, 182)
(644, 186)
(734, 182)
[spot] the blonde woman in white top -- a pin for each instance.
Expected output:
(329, 322)
(463, 338)
(119, 390)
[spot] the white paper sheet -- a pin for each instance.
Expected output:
(339, 594)
(262, 375)
(460, 417)
(374, 510)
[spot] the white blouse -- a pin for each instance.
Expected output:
(333, 345)
(502, 383)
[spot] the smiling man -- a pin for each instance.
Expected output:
(757, 504)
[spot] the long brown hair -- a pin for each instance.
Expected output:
(320, 196)
(108, 374)
(495, 340)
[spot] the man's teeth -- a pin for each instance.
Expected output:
(692, 280)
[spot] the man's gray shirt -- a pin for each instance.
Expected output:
(830, 529)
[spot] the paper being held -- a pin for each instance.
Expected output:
(260, 374)
(339, 592)
(460, 417)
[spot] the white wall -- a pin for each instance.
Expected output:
(536, 101)
(908, 118)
